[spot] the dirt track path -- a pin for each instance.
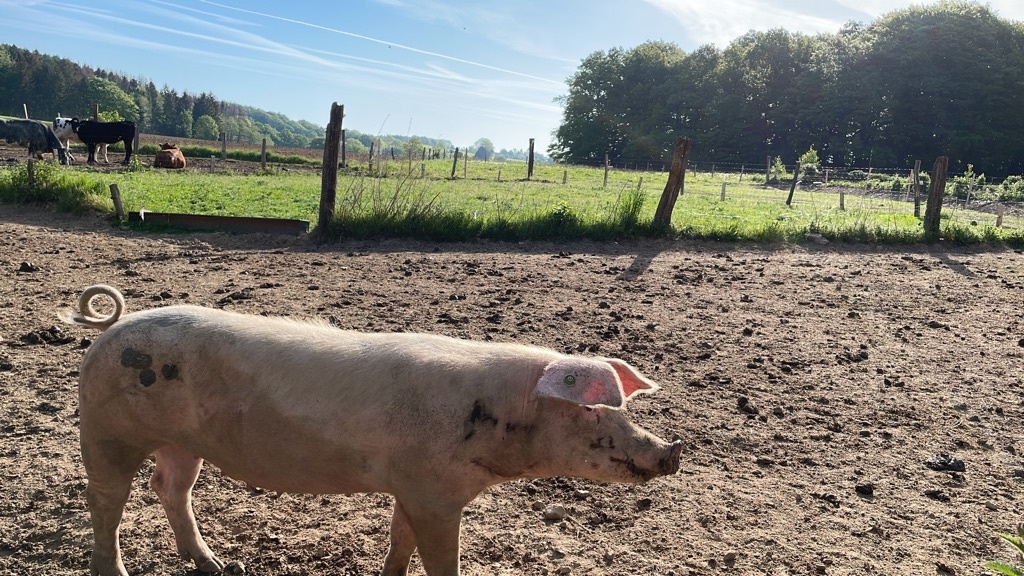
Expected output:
(810, 385)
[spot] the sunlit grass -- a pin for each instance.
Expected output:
(476, 204)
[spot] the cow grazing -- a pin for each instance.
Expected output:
(36, 135)
(169, 157)
(94, 133)
(62, 128)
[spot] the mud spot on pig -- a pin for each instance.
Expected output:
(479, 415)
(132, 358)
(147, 378)
(169, 371)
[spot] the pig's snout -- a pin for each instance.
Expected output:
(670, 464)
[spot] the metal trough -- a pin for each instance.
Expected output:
(242, 224)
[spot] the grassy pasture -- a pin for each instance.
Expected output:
(391, 198)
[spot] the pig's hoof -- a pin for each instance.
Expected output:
(211, 566)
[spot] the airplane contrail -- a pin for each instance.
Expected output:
(379, 41)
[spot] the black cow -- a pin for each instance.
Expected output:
(93, 133)
(36, 135)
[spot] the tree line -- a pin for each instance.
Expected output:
(53, 86)
(940, 80)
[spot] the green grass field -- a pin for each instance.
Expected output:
(393, 199)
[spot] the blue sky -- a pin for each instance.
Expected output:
(436, 68)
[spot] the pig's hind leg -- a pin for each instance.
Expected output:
(110, 466)
(176, 472)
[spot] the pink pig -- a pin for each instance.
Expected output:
(299, 406)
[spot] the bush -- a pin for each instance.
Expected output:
(1012, 188)
(856, 175)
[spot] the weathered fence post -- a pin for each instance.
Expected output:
(369, 163)
(499, 174)
(423, 170)
(605, 185)
(917, 189)
(999, 215)
(465, 164)
(329, 181)
(115, 196)
(932, 212)
(263, 155)
(723, 191)
(344, 161)
(529, 162)
(792, 187)
(455, 162)
(31, 173)
(842, 199)
(565, 176)
(674, 186)
(223, 145)
(640, 184)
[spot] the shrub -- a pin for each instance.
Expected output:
(1017, 541)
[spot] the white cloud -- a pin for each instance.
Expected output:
(725, 20)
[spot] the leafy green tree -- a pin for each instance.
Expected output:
(205, 128)
(111, 98)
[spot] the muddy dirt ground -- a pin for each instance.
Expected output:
(815, 389)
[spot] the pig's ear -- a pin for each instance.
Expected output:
(585, 381)
(632, 380)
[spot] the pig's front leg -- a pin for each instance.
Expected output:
(430, 525)
(403, 543)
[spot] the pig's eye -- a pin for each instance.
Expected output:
(588, 408)
(569, 380)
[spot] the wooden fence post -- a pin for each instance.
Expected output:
(31, 172)
(842, 199)
(329, 180)
(917, 189)
(565, 176)
(640, 184)
(723, 191)
(999, 215)
(455, 162)
(529, 162)
(465, 164)
(369, 163)
(674, 186)
(792, 187)
(223, 145)
(115, 196)
(263, 155)
(605, 185)
(932, 213)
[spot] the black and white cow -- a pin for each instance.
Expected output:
(93, 133)
(36, 135)
(65, 133)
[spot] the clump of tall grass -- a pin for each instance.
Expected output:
(370, 208)
(70, 191)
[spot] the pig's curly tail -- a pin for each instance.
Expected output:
(88, 316)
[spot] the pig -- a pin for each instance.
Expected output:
(300, 406)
